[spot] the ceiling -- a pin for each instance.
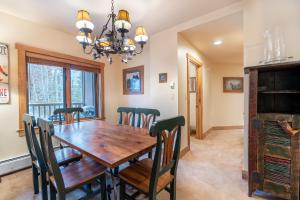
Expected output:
(228, 29)
(155, 15)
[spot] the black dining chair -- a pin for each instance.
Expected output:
(126, 116)
(152, 176)
(74, 176)
(146, 116)
(39, 168)
(68, 115)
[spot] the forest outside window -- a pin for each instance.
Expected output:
(50, 80)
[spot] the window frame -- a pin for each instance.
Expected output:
(33, 54)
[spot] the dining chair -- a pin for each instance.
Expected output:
(68, 115)
(146, 117)
(39, 167)
(126, 116)
(74, 176)
(152, 176)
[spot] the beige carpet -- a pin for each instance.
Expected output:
(211, 171)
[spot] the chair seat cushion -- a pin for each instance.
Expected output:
(138, 175)
(80, 173)
(66, 155)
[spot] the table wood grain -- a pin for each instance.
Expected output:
(109, 144)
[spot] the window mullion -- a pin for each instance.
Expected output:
(68, 88)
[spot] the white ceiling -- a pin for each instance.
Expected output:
(228, 29)
(155, 15)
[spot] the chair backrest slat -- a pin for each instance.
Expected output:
(145, 116)
(168, 134)
(69, 114)
(46, 130)
(126, 116)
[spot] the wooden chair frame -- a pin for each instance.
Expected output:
(166, 157)
(145, 115)
(47, 131)
(126, 115)
(39, 166)
(69, 114)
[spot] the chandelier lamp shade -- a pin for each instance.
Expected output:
(113, 38)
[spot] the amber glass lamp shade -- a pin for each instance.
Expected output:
(84, 23)
(122, 23)
(141, 36)
(83, 38)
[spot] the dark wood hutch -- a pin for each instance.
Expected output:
(274, 123)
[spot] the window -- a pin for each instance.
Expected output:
(83, 92)
(45, 89)
(50, 80)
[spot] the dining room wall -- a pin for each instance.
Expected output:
(15, 30)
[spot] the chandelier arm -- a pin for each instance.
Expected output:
(88, 52)
(105, 27)
(140, 51)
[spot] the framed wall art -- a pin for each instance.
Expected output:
(163, 77)
(133, 80)
(233, 84)
(4, 74)
(192, 85)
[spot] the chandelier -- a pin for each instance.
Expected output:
(113, 38)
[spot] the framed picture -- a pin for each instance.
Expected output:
(133, 80)
(233, 84)
(192, 85)
(163, 78)
(4, 74)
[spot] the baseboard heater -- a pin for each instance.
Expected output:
(14, 164)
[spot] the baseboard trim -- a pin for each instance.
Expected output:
(244, 175)
(13, 165)
(184, 151)
(227, 127)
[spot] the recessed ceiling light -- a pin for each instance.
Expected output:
(218, 42)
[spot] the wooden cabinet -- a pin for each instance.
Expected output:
(274, 121)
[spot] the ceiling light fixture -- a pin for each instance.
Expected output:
(113, 40)
(218, 42)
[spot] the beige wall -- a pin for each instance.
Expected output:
(227, 108)
(260, 15)
(17, 30)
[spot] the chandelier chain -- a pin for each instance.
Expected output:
(112, 6)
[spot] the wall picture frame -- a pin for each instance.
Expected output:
(233, 84)
(192, 85)
(163, 77)
(133, 80)
(4, 74)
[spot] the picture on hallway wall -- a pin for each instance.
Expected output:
(163, 78)
(192, 85)
(233, 84)
(4, 74)
(133, 80)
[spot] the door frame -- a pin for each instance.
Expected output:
(199, 98)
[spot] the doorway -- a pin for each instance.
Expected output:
(194, 98)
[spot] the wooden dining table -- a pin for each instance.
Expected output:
(109, 144)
